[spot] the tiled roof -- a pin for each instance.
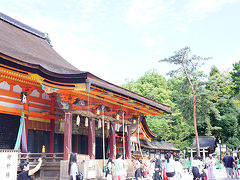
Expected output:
(159, 145)
(27, 46)
(205, 142)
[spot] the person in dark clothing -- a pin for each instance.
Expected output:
(139, 170)
(228, 164)
(26, 174)
(197, 168)
(158, 168)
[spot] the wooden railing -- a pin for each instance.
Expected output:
(46, 157)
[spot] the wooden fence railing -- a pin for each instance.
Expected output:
(46, 157)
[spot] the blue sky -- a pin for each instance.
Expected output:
(122, 39)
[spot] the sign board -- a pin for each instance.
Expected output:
(8, 165)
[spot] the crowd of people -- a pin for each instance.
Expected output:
(154, 168)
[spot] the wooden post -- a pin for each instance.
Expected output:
(26, 108)
(112, 141)
(67, 135)
(191, 152)
(76, 143)
(52, 123)
(204, 156)
(91, 138)
(128, 143)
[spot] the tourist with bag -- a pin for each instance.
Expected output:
(73, 171)
(119, 168)
(158, 168)
(169, 164)
(197, 169)
(108, 169)
(228, 164)
(235, 168)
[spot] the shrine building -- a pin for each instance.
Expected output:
(64, 109)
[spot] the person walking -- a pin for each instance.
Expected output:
(108, 170)
(73, 167)
(197, 168)
(211, 164)
(158, 168)
(235, 168)
(152, 168)
(228, 164)
(146, 168)
(169, 164)
(139, 170)
(178, 169)
(119, 168)
(26, 174)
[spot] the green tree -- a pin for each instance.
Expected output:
(226, 122)
(155, 87)
(188, 65)
(236, 77)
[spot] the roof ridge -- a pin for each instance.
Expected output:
(25, 27)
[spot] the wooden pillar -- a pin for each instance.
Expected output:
(52, 123)
(76, 143)
(91, 138)
(112, 141)
(204, 155)
(128, 143)
(26, 108)
(191, 152)
(67, 135)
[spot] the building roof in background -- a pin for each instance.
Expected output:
(159, 145)
(205, 142)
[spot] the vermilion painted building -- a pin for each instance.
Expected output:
(66, 109)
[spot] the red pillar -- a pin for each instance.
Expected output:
(26, 108)
(128, 143)
(76, 143)
(91, 138)
(52, 127)
(67, 135)
(52, 124)
(112, 141)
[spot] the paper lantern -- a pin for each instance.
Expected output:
(78, 121)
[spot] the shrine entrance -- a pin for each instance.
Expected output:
(9, 125)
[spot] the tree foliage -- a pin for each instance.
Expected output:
(217, 100)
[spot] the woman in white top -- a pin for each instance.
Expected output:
(178, 169)
(169, 166)
(72, 167)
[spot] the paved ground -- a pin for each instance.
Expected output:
(220, 175)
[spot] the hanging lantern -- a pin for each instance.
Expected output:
(98, 111)
(118, 127)
(108, 125)
(23, 97)
(61, 127)
(86, 122)
(78, 120)
(99, 124)
(117, 117)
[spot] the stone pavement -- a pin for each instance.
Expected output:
(220, 175)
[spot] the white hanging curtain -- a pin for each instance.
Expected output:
(86, 122)
(78, 120)
(99, 124)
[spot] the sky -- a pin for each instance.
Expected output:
(120, 40)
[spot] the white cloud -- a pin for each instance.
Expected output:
(152, 42)
(142, 12)
(198, 9)
(149, 42)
